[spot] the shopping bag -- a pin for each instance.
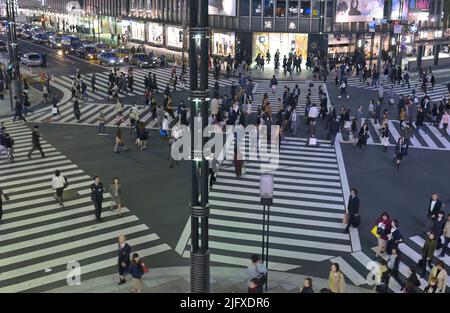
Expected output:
(374, 231)
(345, 218)
(55, 110)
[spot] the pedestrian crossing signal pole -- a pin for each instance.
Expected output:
(13, 48)
(266, 193)
(198, 62)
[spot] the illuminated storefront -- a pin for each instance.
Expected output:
(138, 30)
(155, 33)
(285, 43)
(223, 43)
(173, 37)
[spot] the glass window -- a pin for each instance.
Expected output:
(317, 8)
(149, 4)
(293, 9)
(281, 8)
(245, 7)
(305, 8)
(133, 4)
(329, 9)
(257, 8)
(268, 8)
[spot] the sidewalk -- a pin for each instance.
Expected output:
(35, 97)
(177, 280)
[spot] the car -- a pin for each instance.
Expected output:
(31, 59)
(87, 52)
(55, 43)
(123, 53)
(51, 34)
(101, 47)
(72, 47)
(2, 45)
(109, 59)
(87, 43)
(26, 34)
(142, 60)
(40, 38)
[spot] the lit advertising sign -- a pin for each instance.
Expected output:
(173, 36)
(155, 33)
(419, 9)
(222, 7)
(395, 10)
(359, 10)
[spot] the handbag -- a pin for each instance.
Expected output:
(144, 268)
(374, 231)
(356, 221)
(345, 218)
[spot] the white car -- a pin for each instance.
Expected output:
(31, 59)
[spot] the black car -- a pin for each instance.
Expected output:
(143, 60)
(87, 52)
(72, 47)
(26, 34)
(2, 45)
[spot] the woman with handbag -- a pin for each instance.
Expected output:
(115, 189)
(383, 224)
(394, 237)
(59, 182)
(400, 149)
(136, 271)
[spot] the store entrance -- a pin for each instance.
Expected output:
(285, 43)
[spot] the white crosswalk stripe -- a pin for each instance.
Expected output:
(436, 94)
(264, 87)
(38, 238)
(305, 218)
(163, 76)
(429, 137)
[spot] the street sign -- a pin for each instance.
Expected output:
(398, 29)
(413, 28)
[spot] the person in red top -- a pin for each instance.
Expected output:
(383, 224)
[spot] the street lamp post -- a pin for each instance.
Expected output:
(198, 47)
(13, 49)
(184, 25)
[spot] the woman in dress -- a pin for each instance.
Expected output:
(115, 189)
(336, 280)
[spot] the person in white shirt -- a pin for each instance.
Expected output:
(312, 116)
(294, 121)
(58, 184)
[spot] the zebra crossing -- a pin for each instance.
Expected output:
(429, 137)
(91, 111)
(163, 76)
(275, 104)
(436, 94)
(39, 239)
(305, 219)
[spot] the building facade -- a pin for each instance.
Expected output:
(369, 27)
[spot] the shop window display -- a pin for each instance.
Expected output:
(285, 43)
(224, 43)
(257, 8)
(293, 9)
(305, 9)
(281, 8)
(268, 8)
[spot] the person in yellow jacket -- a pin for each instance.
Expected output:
(336, 281)
(439, 273)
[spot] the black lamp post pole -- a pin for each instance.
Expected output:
(198, 47)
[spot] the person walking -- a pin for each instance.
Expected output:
(383, 228)
(336, 280)
(428, 250)
(97, 197)
(256, 274)
(76, 109)
(384, 136)
(136, 271)
(412, 282)
(101, 123)
(363, 135)
(93, 82)
(59, 182)
(119, 141)
(439, 274)
(446, 234)
(394, 237)
(18, 110)
(352, 210)
(393, 262)
(123, 260)
(6, 197)
(35, 142)
(115, 190)
(399, 153)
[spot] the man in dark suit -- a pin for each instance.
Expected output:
(36, 143)
(434, 206)
(97, 197)
(352, 208)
